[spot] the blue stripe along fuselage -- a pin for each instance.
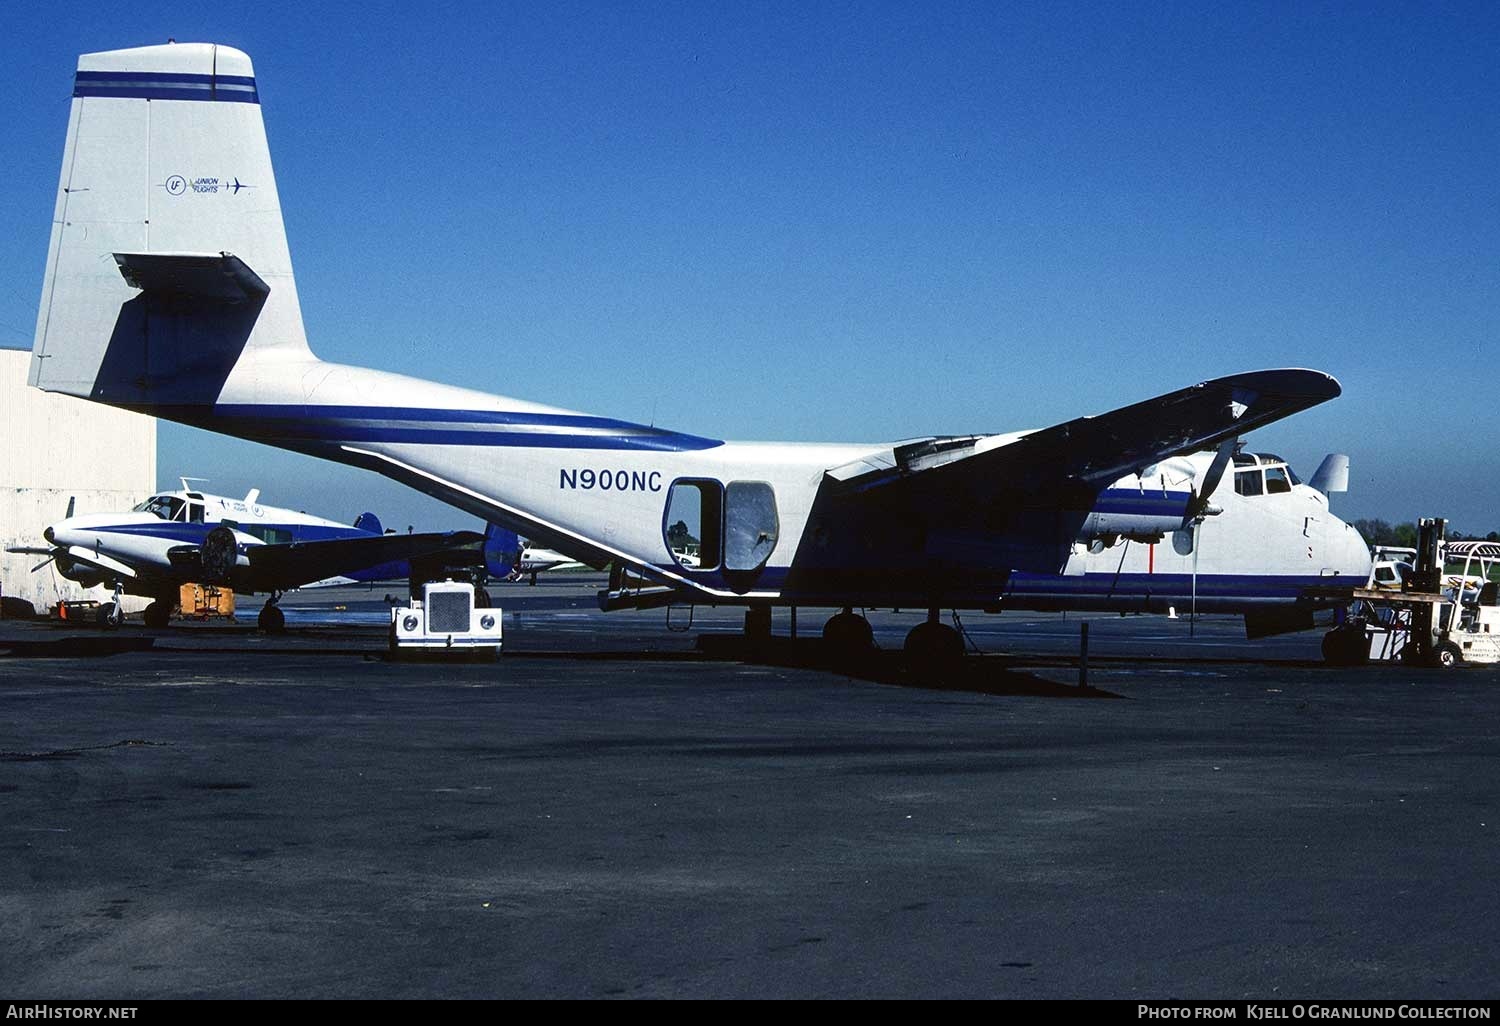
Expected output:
(194, 533)
(158, 85)
(301, 427)
(1093, 591)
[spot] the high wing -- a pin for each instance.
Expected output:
(279, 567)
(1021, 501)
(1061, 466)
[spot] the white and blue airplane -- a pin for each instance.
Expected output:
(169, 291)
(188, 536)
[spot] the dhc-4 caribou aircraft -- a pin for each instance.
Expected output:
(188, 536)
(169, 290)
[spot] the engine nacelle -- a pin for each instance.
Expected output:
(79, 573)
(1145, 507)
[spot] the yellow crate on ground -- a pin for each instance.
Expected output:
(205, 601)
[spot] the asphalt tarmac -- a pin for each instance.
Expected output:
(616, 809)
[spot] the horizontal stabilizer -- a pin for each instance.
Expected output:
(216, 276)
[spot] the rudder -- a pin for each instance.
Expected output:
(166, 168)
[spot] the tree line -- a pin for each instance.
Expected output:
(1380, 532)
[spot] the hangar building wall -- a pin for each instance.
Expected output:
(53, 447)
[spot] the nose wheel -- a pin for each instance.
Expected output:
(111, 613)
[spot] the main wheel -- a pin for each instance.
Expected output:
(931, 643)
(1345, 646)
(110, 616)
(848, 634)
(158, 614)
(271, 620)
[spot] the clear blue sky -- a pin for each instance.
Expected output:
(859, 221)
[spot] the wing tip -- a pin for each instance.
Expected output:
(1299, 382)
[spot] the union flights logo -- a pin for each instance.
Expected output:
(177, 185)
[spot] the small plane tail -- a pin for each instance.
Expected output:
(502, 551)
(166, 170)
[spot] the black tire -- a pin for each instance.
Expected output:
(158, 614)
(271, 620)
(482, 599)
(848, 635)
(1346, 646)
(933, 644)
(1447, 655)
(109, 616)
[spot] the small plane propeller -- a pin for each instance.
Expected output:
(1198, 508)
(53, 555)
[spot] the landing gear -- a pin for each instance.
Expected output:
(1346, 645)
(111, 615)
(158, 613)
(758, 624)
(848, 635)
(932, 642)
(271, 619)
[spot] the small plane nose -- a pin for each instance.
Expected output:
(48, 535)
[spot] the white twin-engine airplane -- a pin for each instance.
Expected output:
(169, 290)
(188, 536)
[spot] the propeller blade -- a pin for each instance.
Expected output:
(1213, 476)
(69, 514)
(42, 563)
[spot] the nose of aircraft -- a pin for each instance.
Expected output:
(48, 535)
(1353, 552)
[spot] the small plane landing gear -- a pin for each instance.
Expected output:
(848, 635)
(933, 643)
(158, 613)
(111, 615)
(271, 619)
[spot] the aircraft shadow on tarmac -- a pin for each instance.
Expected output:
(980, 674)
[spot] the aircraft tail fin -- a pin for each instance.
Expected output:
(168, 259)
(1332, 474)
(502, 550)
(368, 522)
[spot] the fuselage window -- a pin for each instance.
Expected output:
(1247, 482)
(1276, 482)
(168, 507)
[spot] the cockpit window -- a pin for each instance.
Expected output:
(168, 507)
(1247, 482)
(1276, 482)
